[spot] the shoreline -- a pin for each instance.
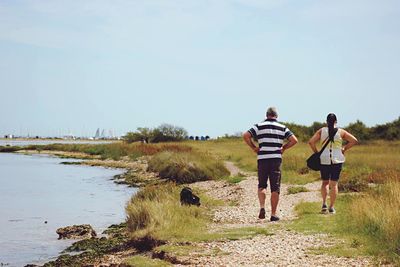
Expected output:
(109, 231)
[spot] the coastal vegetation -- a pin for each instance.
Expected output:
(367, 217)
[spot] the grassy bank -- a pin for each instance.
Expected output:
(115, 150)
(187, 167)
(155, 214)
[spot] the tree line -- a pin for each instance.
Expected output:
(170, 133)
(388, 131)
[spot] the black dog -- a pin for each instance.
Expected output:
(188, 198)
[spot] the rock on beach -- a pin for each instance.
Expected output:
(76, 232)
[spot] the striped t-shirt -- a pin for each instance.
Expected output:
(270, 135)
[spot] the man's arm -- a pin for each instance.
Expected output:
(292, 140)
(247, 138)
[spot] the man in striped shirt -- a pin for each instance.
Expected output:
(270, 135)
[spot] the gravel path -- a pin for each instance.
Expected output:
(283, 248)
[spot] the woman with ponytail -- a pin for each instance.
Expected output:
(332, 158)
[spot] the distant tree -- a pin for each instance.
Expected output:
(163, 133)
(131, 137)
(191, 137)
(359, 130)
(168, 133)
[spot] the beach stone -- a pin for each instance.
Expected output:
(76, 232)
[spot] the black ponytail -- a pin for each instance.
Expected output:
(331, 120)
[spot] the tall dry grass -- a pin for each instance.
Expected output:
(377, 214)
(155, 212)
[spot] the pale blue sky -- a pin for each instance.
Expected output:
(212, 67)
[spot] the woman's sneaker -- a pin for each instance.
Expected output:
(324, 208)
(332, 210)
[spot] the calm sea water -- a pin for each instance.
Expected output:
(35, 189)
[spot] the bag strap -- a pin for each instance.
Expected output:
(327, 141)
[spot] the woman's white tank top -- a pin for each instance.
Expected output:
(333, 152)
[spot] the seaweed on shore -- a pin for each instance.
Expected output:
(94, 248)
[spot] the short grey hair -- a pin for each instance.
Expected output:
(272, 112)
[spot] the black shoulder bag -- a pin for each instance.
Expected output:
(314, 161)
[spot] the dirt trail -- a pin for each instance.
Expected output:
(283, 248)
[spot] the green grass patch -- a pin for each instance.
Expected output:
(142, 261)
(311, 221)
(292, 177)
(177, 249)
(241, 233)
(296, 189)
(235, 179)
(355, 237)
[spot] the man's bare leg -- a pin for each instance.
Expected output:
(262, 195)
(274, 202)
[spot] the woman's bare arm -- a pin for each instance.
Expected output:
(351, 140)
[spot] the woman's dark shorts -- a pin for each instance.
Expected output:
(269, 169)
(331, 172)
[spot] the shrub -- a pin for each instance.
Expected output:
(350, 183)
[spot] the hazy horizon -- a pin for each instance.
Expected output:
(212, 67)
